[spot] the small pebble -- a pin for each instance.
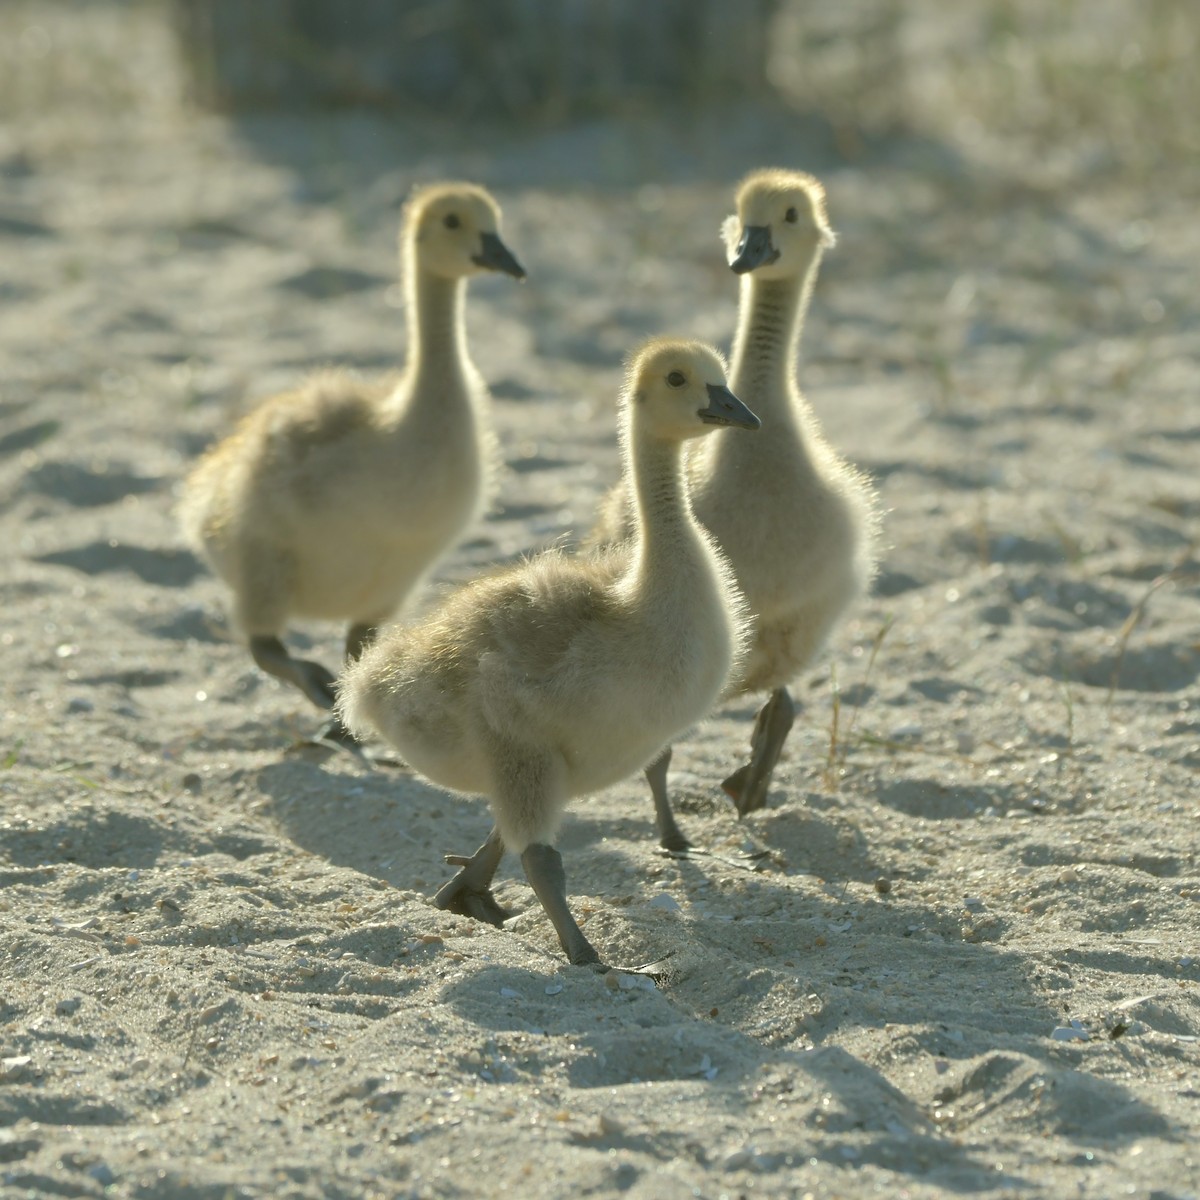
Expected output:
(1070, 1033)
(665, 901)
(13, 1068)
(635, 983)
(883, 885)
(68, 1006)
(552, 989)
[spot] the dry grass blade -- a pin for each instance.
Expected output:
(838, 744)
(1135, 618)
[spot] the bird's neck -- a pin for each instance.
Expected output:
(770, 319)
(436, 333)
(670, 547)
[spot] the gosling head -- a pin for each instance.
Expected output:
(779, 226)
(454, 230)
(677, 390)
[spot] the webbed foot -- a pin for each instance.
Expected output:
(671, 840)
(334, 732)
(469, 893)
(315, 681)
(478, 903)
(654, 971)
(749, 784)
(743, 860)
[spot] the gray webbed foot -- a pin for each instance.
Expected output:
(314, 680)
(358, 638)
(743, 860)
(334, 732)
(469, 893)
(749, 784)
(656, 970)
(672, 843)
(477, 903)
(317, 682)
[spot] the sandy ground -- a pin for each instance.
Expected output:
(970, 963)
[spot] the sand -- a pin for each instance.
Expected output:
(969, 962)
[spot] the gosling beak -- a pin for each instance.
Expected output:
(754, 249)
(724, 408)
(496, 256)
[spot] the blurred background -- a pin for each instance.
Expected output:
(1053, 85)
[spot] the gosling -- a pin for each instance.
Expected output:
(335, 501)
(562, 675)
(798, 524)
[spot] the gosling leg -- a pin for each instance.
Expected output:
(469, 893)
(671, 839)
(544, 870)
(748, 785)
(314, 680)
(358, 638)
(670, 836)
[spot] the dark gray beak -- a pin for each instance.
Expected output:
(724, 408)
(754, 249)
(496, 256)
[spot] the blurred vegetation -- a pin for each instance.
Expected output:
(1112, 81)
(543, 61)
(67, 59)
(1098, 85)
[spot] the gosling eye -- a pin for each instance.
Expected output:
(451, 221)
(791, 216)
(676, 379)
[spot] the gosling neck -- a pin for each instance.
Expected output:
(436, 333)
(668, 537)
(771, 318)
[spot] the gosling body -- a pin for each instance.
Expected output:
(797, 522)
(335, 501)
(561, 675)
